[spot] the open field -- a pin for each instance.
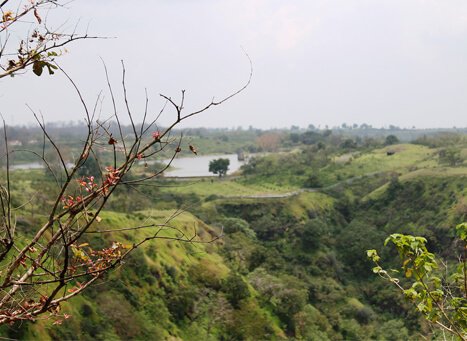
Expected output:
(225, 188)
(438, 172)
(406, 158)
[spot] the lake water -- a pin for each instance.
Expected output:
(35, 165)
(31, 165)
(199, 165)
(182, 167)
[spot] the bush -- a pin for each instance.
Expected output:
(235, 289)
(232, 225)
(311, 324)
(250, 323)
(309, 234)
(391, 139)
(312, 181)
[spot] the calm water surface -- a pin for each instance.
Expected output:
(183, 166)
(199, 165)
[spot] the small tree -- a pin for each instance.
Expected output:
(236, 289)
(219, 166)
(391, 139)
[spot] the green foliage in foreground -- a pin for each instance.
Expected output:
(440, 295)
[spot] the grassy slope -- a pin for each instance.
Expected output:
(406, 158)
(113, 312)
(225, 188)
(107, 306)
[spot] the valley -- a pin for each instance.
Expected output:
(277, 251)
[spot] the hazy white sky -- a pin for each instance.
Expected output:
(381, 62)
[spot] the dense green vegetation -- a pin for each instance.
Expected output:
(292, 262)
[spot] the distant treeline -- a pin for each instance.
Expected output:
(78, 129)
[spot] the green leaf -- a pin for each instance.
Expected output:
(436, 282)
(417, 284)
(50, 67)
(377, 269)
(373, 255)
(421, 307)
(429, 304)
(461, 230)
(437, 294)
(410, 293)
(37, 67)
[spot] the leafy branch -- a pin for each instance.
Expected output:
(440, 299)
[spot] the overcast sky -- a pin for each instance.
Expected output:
(401, 62)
